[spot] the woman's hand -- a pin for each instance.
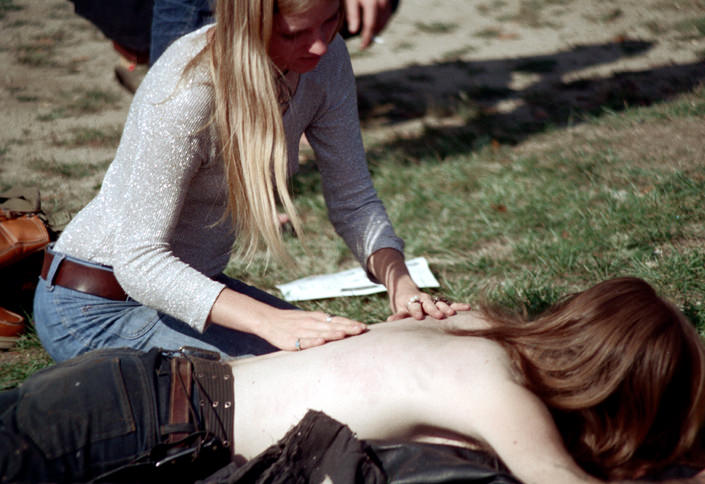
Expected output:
(287, 329)
(405, 298)
(420, 304)
(292, 329)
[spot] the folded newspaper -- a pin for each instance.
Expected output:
(352, 282)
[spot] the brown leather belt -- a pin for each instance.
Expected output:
(83, 278)
(179, 396)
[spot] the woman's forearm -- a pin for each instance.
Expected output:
(238, 311)
(389, 267)
(287, 329)
(405, 298)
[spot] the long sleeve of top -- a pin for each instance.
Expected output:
(158, 217)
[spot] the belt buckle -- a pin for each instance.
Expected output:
(196, 445)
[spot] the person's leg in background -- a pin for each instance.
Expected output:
(173, 18)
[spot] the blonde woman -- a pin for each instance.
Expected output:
(209, 142)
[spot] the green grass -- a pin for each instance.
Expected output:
(67, 170)
(8, 6)
(78, 102)
(457, 53)
(27, 98)
(41, 51)
(436, 27)
(516, 224)
(693, 26)
(11, 374)
(521, 228)
(533, 12)
(35, 55)
(489, 33)
(93, 101)
(92, 137)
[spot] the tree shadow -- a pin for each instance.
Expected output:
(466, 104)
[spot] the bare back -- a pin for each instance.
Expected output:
(406, 380)
(402, 380)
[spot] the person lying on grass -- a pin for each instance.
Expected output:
(608, 384)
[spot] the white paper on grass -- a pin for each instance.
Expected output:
(353, 282)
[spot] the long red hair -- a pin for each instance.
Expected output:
(621, 370)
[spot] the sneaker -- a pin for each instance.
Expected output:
(11, 326)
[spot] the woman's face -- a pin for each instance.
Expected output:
(299, 40)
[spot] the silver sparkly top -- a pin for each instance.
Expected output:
(156, 217)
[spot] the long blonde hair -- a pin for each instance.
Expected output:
(249, 122)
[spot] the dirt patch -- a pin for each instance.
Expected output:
(502, 69)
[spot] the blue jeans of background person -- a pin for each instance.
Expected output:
(173, 18)
(80, 418)
(70, 323)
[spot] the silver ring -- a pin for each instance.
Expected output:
(329, 318)
(413, 299)
(298, 344)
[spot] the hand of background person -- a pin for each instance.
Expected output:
(372, 14)
(293, 329)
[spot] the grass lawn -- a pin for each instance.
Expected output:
(520, 176)
(621, 193)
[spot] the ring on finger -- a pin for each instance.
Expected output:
(413, 299)
(329, 318)
(440, 299)
(298, 344)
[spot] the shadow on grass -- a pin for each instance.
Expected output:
(508, 100)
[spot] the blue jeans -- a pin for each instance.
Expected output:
(64, 423)
(173, 18)
(70, 323)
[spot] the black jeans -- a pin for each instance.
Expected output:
(86, 416)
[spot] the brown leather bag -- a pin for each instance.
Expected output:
(20, 235)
